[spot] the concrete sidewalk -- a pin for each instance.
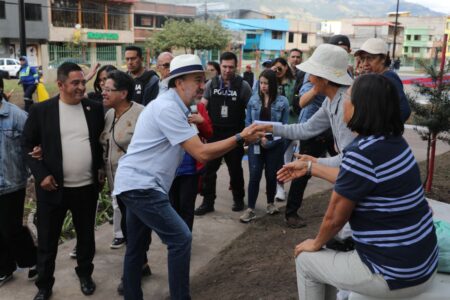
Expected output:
(212, 233)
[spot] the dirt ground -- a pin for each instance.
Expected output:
(259, 264)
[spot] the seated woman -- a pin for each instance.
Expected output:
(266, 105)
(379, 191)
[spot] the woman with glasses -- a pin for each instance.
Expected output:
(267, 155)
(373, 57)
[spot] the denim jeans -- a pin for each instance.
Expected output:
(151, 209)
(271, 160)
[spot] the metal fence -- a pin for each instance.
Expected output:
(82, 54)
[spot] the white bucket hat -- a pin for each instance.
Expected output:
(329, 62)
(373, 46)
(184, 64)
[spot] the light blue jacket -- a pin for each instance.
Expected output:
(279, 113)
(13, 173)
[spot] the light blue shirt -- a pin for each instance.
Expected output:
(155, 152)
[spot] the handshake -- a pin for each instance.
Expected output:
(255, 132)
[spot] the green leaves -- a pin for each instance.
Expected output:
(196, 35)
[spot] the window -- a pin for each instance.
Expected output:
(405, 49)
(64, 13)
(304, 38)
(277, 35)
(118, 16)
(291, 37)
(408, 37)
(10, 62)
(415, 50)
(143, 20)
(160, 20)
(93, 15)
(430, 38)
(251, 36)
(417, 37)
(2, 9)
(33, 12)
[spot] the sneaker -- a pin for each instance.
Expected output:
(5, 278)
(238, 205)
(281, 194)
(32, 273)
(117, 243)
(73, 253)
(203, 209)
(271, 209)
(146, 271)
(248, 215)
(295, 221)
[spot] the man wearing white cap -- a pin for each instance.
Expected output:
(146, 172)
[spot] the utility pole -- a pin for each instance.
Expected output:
(206, 10)
(23, 39)
(395, 31)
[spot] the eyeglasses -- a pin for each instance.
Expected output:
(279, 69)
(109, 90)
(166, 65)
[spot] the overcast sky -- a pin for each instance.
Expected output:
(437, 5)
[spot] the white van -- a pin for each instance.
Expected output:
(10, 65)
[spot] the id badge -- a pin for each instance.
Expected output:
(256, 149)
(224, 111)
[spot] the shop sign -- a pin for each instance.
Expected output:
(102, 36)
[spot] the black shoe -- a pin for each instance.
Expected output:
(87, 285)
(32, 273)
(5, 278)
(203, 209)
(120, 287)
(43, 294)
(73, 253)
(117, 243)
(295, 221)
(238, 205)
(146, 271)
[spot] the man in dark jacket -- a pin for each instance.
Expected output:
(146, 81)
(67, 127)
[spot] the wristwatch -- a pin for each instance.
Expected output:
(308, 169)
(239, 139)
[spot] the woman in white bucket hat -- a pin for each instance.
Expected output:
(328, 72)
(373, 57)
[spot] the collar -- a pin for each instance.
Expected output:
(175, 97)
(5, 108)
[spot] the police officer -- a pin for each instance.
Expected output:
(226, 98)
(28, 78)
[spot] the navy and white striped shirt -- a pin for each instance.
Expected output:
(392, 223)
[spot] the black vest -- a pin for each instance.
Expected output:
(231, 97)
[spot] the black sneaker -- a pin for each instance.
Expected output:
(5, 278)
(295, 221)
(238, 205)
(203, 209)
(73, 253)
(32, 273)
(117, 243)
(146, 271)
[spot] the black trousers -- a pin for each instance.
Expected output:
(82, 203)
(123, 226)
(233, 159)
(316, 147)
(16, 244)
(182, 195)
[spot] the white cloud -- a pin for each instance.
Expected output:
(436, 5)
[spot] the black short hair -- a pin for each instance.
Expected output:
(376, 107)
(107, 68)
(134, 48)
(215, 65)
(171, 83)
(271, 76)
(65, 68)
(122, 82)
(228, 56)
(295, 50)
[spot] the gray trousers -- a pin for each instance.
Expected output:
(320, 273)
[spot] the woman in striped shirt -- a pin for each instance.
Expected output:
(379, 191)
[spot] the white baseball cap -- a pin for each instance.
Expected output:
(373, 46)
(329, 62)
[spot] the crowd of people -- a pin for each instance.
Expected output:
(158, 139)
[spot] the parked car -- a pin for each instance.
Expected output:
(11, 66)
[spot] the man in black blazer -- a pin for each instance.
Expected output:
(67, 128)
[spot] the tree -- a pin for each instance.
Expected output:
(434, 116)
(196, 35)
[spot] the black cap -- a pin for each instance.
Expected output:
(339, 40)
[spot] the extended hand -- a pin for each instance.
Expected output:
(252, 134)
(196, 119)
(308, 245)
(49, 183)
(292, 170)
(304, 157)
